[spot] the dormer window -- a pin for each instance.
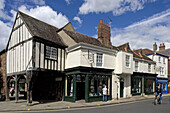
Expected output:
(127, 61)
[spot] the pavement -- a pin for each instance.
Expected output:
(21, 105)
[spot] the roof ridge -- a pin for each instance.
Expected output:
(123, 44)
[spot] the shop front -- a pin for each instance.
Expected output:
(168, 83)
(143, 83)
(163, 83)
(85, 83)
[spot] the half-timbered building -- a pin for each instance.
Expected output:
(35, 59)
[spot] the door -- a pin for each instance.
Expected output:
(121, 88)
(80, 90)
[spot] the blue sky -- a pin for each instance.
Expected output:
(139, 22)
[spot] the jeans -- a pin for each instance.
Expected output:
(104, 97)
(156, 95)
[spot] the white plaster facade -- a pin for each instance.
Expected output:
(77, 55)
(161, 62)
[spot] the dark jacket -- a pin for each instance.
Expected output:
(158, 90)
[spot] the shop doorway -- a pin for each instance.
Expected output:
(80, 90)
(121, 88)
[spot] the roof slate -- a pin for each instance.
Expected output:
(42, 29)
(78, 37)
(165, 52)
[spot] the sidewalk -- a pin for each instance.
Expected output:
(11, 106)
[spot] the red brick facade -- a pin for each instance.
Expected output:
(104, 33)
(3, 74)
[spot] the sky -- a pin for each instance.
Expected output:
(139, 22)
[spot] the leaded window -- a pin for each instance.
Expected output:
(51, 53)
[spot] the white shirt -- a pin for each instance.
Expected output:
(104, 91)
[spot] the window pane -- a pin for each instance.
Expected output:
(99, 59)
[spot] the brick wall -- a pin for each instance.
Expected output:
(3, 71)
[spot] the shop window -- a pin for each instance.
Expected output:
(164, 87)
(51, 53)
(149, 85)
(96, 84)
(100, 87)
(127, 61)
(91, 86)
(69, 86)
(136, 85)
(99, 59)
(136, 65)
(149, 67)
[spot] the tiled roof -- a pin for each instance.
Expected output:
(146, 51)
(165, 52)
(136, 53)
(42, 29)
(78, 37)
(142, 55)
(125, 47)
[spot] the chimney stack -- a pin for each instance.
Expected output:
(154, 47)
(161, 47)
(104, 33)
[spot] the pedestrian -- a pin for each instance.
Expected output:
(104, 93)
(12, 91)
(158, 91)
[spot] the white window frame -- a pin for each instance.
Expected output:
(149, 68)
(159, 59)
(136, 66)
(162, 71)
(164, 60)
(99, 59)
(127, 61)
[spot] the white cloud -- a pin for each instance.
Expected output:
(46, 14)
(4, 34)
(3, 14)
(78, 19)
(68, 2)
(118, 7)
(144, 33)
(39, 2)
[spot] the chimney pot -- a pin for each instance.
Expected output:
(101, 20)
(107, 24)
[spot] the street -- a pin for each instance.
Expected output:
(144, 106)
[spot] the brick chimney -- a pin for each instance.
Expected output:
(161, 47)
(154, 47)
(104, 33)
